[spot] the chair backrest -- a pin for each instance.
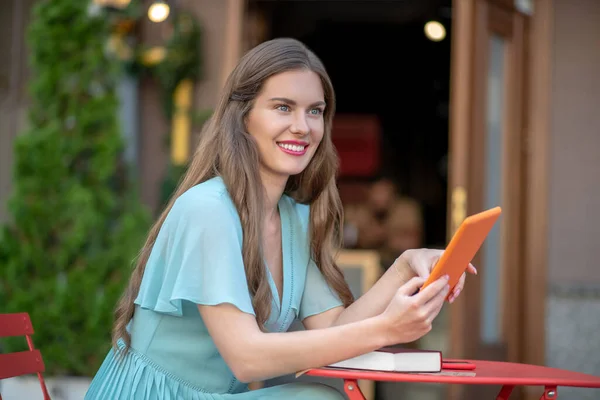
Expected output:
(22, 362)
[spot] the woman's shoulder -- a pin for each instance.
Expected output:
(207, 191)
(209, 199)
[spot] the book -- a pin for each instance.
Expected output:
(449, 373)
(396, 360)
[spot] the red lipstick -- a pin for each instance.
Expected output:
(293, 147)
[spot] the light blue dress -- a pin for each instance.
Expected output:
(197, 259)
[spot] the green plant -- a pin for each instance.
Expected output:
(75, 223)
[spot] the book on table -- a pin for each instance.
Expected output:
(395, 360)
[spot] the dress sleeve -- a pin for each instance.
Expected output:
(318, 297)
(197, 257)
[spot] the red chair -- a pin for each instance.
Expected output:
(22, 362)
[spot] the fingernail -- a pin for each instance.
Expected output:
(457, 293)
(475, 270)
(447, 277)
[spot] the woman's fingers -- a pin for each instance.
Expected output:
(472, 269)
(461, 283)
(411, 286)
(433, 290)
(458, 288)
(434, 305)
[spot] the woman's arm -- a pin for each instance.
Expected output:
(369, 304)
(254, 355)
(416, 262)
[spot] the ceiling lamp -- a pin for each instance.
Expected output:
(435, 31)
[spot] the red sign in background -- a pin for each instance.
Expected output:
(357, 139)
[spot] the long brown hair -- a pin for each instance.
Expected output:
(227, 150)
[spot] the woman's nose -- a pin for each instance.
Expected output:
(300, 126)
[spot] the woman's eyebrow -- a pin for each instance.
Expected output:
(293, 103)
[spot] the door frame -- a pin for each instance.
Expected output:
(527, 113)
(538, 130)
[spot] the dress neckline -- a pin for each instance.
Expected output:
(287, 260)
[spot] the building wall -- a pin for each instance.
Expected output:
(573, 304)
(220, 22)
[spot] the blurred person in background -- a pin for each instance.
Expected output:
(382, 194)
(368, 232)
(247, 244)
(403, 229)
(364, 225)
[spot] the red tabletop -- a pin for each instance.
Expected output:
(486, 373)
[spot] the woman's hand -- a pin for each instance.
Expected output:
(420, 262)
(408, 316)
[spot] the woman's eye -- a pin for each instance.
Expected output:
(283, 107)
(316, 111)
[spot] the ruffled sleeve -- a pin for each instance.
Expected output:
(318, 296)
(197, 256)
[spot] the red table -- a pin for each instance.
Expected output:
(506, 374)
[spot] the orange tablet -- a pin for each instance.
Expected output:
(463, 246)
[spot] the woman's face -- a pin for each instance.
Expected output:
(287, 122)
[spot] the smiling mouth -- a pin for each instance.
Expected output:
(293, 148)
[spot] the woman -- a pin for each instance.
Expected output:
(246, 245)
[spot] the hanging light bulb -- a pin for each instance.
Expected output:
(158, 11)
(435, 31)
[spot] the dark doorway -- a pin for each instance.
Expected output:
(381, 63)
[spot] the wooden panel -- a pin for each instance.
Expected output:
(6, 157)
(153, 153)
(508, 5)
(536, 230)
(233, 37)
(11, 75)
(461, 99)
(500, 20)
(460, 124)
(476, 188)
(512, 289)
